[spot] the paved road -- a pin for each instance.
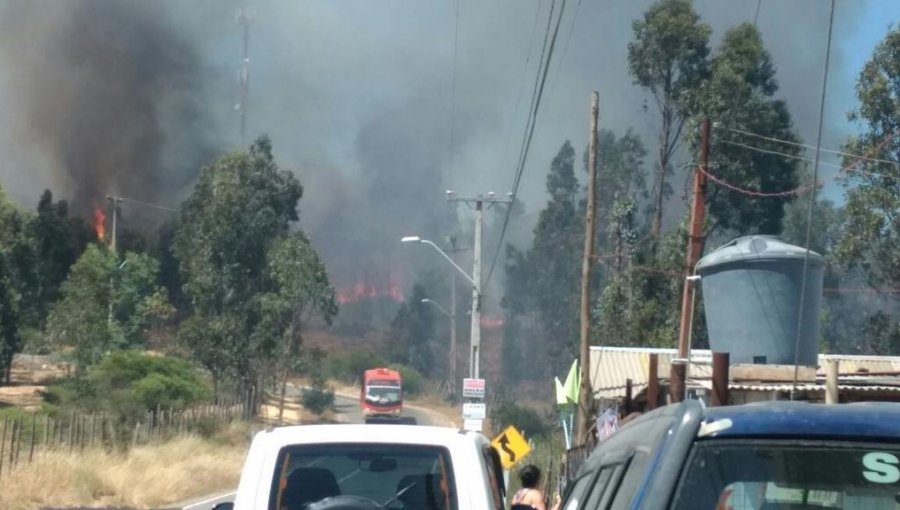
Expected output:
(347, 408)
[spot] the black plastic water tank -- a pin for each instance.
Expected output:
(751, 296)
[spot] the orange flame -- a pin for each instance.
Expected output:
(491, 322)
(99, 223)
(362, 291)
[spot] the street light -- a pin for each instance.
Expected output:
(417, 239)
(452, 362)
(438, 305)
(475, 338)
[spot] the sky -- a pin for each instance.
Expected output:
(362, 100)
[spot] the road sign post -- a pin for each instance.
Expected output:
(473, 388)
(511, 446)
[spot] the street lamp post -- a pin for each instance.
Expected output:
(476, 309)
(451, 370)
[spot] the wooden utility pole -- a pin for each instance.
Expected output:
(694, 250)
(586, 395)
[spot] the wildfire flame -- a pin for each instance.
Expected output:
(491, 322)
(362, 291)
(99, 223)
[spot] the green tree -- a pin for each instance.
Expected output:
(81, 319)
(240, 206)
(299, 286)
(871, 240)
(668, 57)
(412, 333)
(105, 304)
(739, 93)
(18, 277)
(59, 240)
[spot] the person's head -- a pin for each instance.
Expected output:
(530, 476)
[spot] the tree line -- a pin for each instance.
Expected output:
(232, 279)
(637, 280)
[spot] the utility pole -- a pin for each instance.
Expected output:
(475, 342)
(244, 17)
(586, 394)
(115, 218)
(454, 383)
(678, 372)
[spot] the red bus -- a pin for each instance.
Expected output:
(381, 395)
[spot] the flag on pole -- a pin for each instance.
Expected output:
(573, 381)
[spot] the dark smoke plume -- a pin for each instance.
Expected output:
(107, 93)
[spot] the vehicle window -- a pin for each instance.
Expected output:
(605, 486)
(582, 485)
(763, 475)
(394, 476)
(630, 481)
(491, 461)
(383, 394)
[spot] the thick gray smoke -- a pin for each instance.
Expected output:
(132, 97)
(102, 98)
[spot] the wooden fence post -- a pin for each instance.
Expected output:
(3, 445)
(33, 433)
(19, 439)
(72, 433)
(46, 431)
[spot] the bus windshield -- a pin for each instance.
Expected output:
(790, 475)
(383, 394)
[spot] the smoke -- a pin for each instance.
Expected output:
(133, 97)
(104, 98)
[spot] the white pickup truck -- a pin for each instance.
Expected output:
(369, 467)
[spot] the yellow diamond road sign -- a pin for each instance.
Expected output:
(511, 446)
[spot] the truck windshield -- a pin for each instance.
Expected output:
(394, 476)
(383, 394)
(790, 475)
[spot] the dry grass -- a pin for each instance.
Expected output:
(181, 469)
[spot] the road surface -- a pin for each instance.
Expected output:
(347, 408)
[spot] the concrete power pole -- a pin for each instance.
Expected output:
(454, 383)
(475, 342)
(678, 371)
(115, 201)
(586, 394)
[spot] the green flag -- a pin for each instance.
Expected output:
(573, 381)
(561, 399)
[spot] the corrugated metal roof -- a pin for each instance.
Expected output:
(801, 387)
(612, 366)
(851, 364)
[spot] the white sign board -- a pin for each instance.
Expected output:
(473, 388)
(474, 425)
(473, 411)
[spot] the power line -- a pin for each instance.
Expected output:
(537, 12)
(812, 147)
(774, 152)
(145, 204)
(812, 203)
(845, 168)
(536, 104)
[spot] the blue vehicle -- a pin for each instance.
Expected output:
(763, 456)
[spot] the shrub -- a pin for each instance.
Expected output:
(348, 366)
(524, 418)
(318, 400)
(413, 382)
(149, 381)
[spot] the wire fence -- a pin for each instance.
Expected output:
(25, 437)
